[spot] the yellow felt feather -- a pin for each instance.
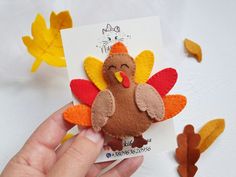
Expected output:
(46, 44)
(209, 133)
(93, 68)
(144, 63)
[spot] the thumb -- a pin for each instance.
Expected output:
(79, 157)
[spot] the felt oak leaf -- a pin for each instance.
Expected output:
(187, 153)
(46, 43)
(193, 49)
(209, 133)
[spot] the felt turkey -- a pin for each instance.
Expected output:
(121, 101)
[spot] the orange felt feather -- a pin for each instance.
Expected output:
(174, 104)
(79, 115)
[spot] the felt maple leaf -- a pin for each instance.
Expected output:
(86, 91)
(46, 43)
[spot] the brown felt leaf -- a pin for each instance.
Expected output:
(209, 133)
(193, 49)
(187, 153)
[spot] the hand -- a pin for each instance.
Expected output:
(43, 156)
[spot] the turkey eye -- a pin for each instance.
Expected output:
(109, 38)
(111, 67)
(124, 65)
(116, 37)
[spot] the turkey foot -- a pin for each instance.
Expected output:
(139, 142)
(115, 144)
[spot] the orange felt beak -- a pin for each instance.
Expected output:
(122, 78)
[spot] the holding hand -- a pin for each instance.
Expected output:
(43, 156)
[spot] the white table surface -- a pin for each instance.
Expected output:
(27, 99)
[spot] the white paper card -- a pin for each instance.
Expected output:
(95, 40)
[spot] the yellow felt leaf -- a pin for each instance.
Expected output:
(144, 63)
(60, 21)
(194, 49)
(209, 133)
(93, 68)
(46, 44)
(66, 137)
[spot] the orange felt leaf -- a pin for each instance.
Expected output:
(79, 115)
(193, 49)
(46, 44)
(210, 132)
(187, 153)
(174, 104)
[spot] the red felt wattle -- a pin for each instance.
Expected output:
(125, 82)
(164, 80)
(84, 90)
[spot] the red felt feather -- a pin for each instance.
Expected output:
(164, 80)
(84, 90)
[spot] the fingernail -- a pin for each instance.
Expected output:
(93, 136)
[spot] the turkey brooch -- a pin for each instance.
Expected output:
(120, 99)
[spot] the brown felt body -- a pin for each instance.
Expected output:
(128, 119)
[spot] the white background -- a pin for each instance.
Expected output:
(26, 99)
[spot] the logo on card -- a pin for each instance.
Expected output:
(108, 155)
(109, 36)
